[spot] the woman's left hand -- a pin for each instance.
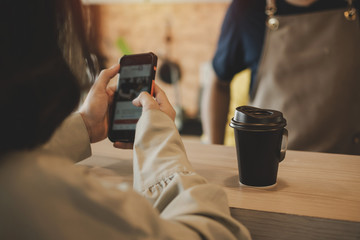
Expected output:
(94, 111)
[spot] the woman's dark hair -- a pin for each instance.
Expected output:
(45, 63)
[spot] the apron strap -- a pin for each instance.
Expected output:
(270, 4)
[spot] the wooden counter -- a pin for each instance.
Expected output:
(317, 195)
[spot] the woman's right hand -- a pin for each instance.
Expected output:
(147, 102)
(159, 101)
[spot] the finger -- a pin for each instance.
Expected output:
(112, 85)
(164, 103)
(146, 101)
(106, 75)
(111, 89)
(160, 95)
(138, 101)
(161, 98)
(123, 145)
(157, 89)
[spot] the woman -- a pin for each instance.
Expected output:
(43, 195)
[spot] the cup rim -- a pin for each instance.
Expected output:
(257, 126)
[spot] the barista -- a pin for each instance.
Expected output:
(305, 59)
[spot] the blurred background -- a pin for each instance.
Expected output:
(183, 34)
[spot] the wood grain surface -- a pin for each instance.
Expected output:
(317, 195)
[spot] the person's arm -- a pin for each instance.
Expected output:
(164, 176)
(227, 61)
(71, 139)
(178, 203)
(214, 109)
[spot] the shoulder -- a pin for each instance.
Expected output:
(242, 9)
(243, 16)
(33, 168)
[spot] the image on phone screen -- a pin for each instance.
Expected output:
(133, 80)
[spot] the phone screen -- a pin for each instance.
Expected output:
(136, 75)
(133, 80)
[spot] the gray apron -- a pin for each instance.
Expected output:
(310, 71)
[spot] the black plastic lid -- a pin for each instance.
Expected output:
(253, 119)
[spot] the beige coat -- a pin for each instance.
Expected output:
(45, 196)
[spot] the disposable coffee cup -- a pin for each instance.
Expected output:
(261, 143)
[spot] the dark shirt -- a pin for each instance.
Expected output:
(243, 31)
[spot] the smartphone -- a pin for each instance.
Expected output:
(136, 74)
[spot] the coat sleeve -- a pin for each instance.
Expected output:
(71, 139)
(163, 174)
(60, 201)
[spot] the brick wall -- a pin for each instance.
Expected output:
(194, 29)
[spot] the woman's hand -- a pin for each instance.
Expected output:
(147, 102)
(159, 101)
(94, 111)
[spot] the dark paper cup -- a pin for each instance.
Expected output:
(261, 141)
